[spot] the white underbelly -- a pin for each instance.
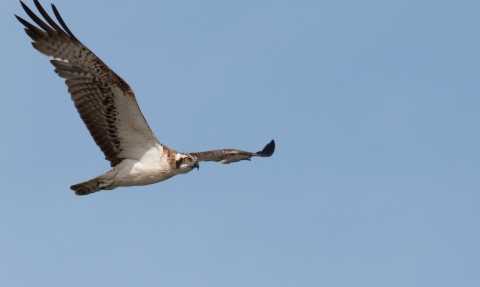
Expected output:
(132, 172)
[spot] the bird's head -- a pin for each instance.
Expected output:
(185, 162)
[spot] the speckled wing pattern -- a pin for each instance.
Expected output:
(233, 155)
(105, 102)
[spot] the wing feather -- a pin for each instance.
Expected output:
(226, 156)
(104, 101)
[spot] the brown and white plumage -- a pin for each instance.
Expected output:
(233, 155)
(108, 107)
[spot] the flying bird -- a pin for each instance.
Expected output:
(109, 109)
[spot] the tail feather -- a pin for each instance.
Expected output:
(86, 187)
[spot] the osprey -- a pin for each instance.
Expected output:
(108, 107)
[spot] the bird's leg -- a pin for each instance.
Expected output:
(106, 180)
(105, 184)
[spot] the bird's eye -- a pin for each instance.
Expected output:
(187, 159)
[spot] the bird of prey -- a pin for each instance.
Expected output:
(108, 107)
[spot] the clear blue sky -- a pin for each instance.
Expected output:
(374, 106)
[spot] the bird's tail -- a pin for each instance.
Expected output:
(86, 187)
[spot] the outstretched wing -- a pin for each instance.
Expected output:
(233, 155)
(105, 102)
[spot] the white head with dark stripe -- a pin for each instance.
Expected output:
(185, 162)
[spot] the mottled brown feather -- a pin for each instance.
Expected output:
(233, 155)
(90, 82)
(170, 155)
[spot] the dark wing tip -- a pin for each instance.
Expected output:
(60, 20)
(267, 150)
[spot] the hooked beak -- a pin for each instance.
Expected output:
(196, 165)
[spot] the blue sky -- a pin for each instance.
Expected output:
(374, 107)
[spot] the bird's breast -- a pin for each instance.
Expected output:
(134, 172)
